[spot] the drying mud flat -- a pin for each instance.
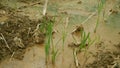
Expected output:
(75, 43)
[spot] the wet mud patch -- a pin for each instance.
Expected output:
(18, 32)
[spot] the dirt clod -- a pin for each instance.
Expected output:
(18, 31)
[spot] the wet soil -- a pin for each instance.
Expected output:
(19, 34)
(106, 59)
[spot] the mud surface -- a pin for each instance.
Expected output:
(106, 58)
(17, 32)
(20, 32)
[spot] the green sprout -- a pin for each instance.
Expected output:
(84, 39)
(49, 37)
(54, 54)
(99, 9)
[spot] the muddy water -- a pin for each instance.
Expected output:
(108, 32)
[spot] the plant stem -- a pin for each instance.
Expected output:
(45, 7)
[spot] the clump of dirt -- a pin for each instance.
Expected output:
(6, 9)
(17, 33)
(107, 59)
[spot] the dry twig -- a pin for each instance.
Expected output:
(5, 42)
(45, 7)
(12, 56)
(89, 17)
(75, 58)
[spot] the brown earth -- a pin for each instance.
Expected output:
(17, 32)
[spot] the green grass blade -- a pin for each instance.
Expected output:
(83, 42)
